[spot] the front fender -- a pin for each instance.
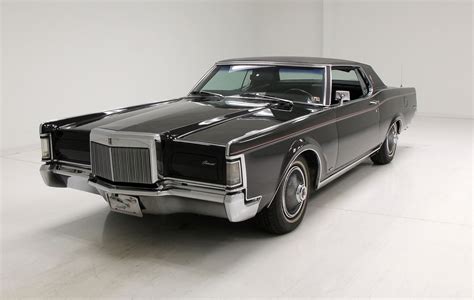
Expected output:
(311, 149)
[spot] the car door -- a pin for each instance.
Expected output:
(357, 117)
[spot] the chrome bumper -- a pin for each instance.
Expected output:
(169, 197)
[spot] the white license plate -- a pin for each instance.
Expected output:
(125, 204)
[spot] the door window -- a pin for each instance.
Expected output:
(348, 79)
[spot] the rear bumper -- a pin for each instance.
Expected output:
(171, 196)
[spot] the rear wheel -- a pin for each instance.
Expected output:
(289, 206)
(387, 151)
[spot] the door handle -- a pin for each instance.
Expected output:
(374, 102)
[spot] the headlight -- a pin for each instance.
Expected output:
(234, 173)
(45, 147)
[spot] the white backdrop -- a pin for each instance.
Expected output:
(68, 58)
(429, 42)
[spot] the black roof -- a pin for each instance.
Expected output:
(291, 60)
(302, 61)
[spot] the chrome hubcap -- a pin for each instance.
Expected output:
(301, 193)
(295, 192)
(392, 140)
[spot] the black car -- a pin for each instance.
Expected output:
(254, 138)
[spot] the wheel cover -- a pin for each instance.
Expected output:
(295, 192)
(392, 140)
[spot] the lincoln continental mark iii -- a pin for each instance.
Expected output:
(254, 138)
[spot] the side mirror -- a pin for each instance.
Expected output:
(342, 96)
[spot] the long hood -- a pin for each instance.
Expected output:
(215, 122)
(212, 121)
(180, 118)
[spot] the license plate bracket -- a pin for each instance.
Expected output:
(125, 204)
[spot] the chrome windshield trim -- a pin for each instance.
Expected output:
(268, 63)
(202, 79)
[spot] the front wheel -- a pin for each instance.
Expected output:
(387, 151)
(289, 206)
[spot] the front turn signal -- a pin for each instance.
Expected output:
(45, 147)
(234, 173)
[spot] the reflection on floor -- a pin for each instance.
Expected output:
(398, 230)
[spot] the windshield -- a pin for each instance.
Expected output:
(299, 84)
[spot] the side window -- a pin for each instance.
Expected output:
(350, 81)
(363, 84)
(345, 75)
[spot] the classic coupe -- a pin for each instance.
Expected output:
(254, 138)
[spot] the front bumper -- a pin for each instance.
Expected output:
(171, 196)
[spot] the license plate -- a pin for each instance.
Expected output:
(125, 204)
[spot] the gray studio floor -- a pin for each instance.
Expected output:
(398, 230)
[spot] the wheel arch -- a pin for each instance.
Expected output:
(398, 119)
(312, 152)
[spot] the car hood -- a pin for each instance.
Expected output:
(211, 121)
(178, 117)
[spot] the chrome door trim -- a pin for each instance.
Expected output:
(345, 169)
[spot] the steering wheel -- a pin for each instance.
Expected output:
(301, 91)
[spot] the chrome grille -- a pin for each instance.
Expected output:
(131, 165)
(100, 161)
(121, 164)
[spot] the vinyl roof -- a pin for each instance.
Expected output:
(290, 60)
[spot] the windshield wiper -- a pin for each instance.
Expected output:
(206, 93)
(265, 97)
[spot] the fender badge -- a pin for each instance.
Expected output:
(208, 163)
(110, 141)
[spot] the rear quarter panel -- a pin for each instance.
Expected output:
(395, 104)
